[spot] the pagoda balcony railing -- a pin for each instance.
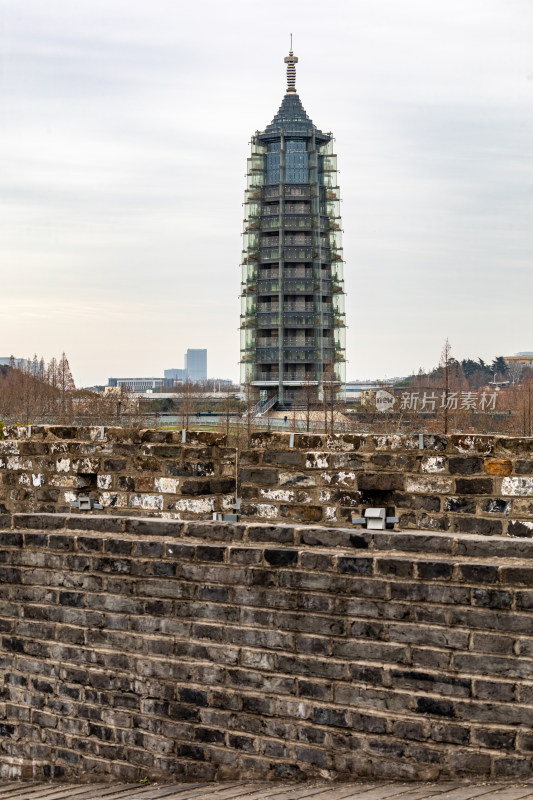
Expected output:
(269, 242)
(298, 253)
(267, 355)
(288, 306)
(293, 285)
(297, 191)
(298, 375)
(327, 286)
(267, 274)
(266, 376)
(294, 342)
(300, 320)
(309, 356)
(268, 286)
(298, 272)
(271, 192)
(268, 342)
(270, 222)
(270, 211)
(270, 254)
(296, 222)
(267, 320)
(267, 308)
(298, 240)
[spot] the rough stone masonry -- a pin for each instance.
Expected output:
(135, 648)
(460, 483)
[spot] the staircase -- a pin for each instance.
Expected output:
(261, 408)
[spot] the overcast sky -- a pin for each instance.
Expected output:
(124, 130)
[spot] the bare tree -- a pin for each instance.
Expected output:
(445, 360)
(65, 384)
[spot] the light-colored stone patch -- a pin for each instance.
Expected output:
(317, 461)
(201, 506)
(86, 465)
(10, 432)
(68, 481)
(70, 497)
(10, 771)
(433, 464)
(113, 499)
(517, 487)
(339, 478)
(104, 481)
(278, 494)
(392, 442)
(228, 501)
(153, 502)
(63, 465)
(37, 480)
(95, 433)
(267, 511)
(324, 496)
(330, 513)
(167, 485)
(24, 479)
(431, 484)
(16, 462)
(58, 447)
(9, 448)
(474, 444)
(338, 442)
(294, 479)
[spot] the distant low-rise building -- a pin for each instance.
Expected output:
(525, 358)
(136, 384)
(175, 376)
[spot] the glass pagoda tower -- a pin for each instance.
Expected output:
(293, 327)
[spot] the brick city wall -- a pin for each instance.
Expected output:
(135, 648)
(470, 484)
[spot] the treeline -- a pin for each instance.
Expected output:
(35, 390)
(472, 374)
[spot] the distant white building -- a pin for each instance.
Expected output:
(136, 384)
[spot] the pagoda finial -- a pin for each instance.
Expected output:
(291, 61)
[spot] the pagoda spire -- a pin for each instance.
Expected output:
(291, 61)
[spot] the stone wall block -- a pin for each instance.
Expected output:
(381, 482)
(429, 484)
(498, 466)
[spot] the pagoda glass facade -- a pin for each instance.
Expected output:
(293, 326)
